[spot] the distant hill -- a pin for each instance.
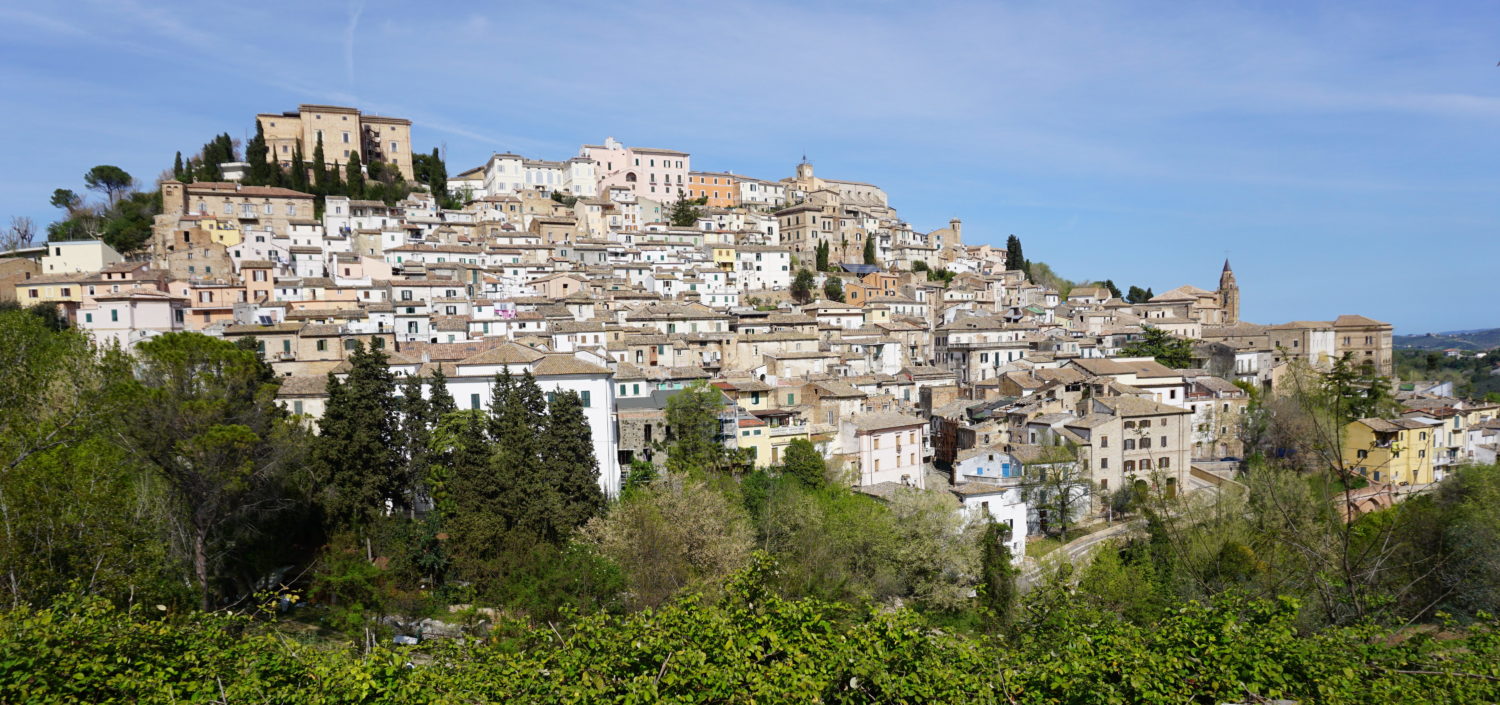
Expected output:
(1461, 339)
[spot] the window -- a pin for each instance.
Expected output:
(322, 345)
(791, 399)
(1145, 423)
(297, 407)
(1146, 464)
(114, 315)
(583, 396)
(1130, 444)
(346, 139)
(473, 401)
(1164, 463)
(1104, 485)
(1104, 441)
(88, 318)
(1130, 466)
(1104, 463)
(268, 209)
(1163, 442)
(286, 345)
(395, 147)
(228, 208)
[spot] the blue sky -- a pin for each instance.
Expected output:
(1342, 155)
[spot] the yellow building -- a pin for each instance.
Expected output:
(724, 258)
(1395, 451)
(344, 132)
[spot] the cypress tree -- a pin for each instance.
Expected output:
(177, 166)
(437, 177)
(822, 256)
(355, 454)
(257, 154)
(568, 460)
(414, 436)
(870, 251)
(298, 178)
(438, 395)
(528, 503)
(354, 176)
(1014, 258)
(320, 169)
(998, 575)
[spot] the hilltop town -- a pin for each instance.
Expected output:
(909, 357)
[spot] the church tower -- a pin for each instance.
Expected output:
(1229, 296)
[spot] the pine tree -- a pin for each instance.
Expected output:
(355, 455)
(354, 176)
(568, 458)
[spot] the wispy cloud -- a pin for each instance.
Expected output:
(356, 8)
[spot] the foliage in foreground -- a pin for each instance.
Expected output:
(752, 646)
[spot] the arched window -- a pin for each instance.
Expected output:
(1130, 466)
(630, 177)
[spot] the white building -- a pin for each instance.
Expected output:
(884, 447)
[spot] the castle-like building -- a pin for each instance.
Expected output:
(1188, 303)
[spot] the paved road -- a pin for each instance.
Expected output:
(1075, 551)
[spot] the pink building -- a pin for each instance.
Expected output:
(131, 316)
(658, 174)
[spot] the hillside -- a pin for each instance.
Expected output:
(1462, 339)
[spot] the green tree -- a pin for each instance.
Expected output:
(802, 286)
(297, 180)
(822, 257)
(355, 455)
(684, 212)
(833, 288)
(262, 168)
(320, 169)
(177, 166)
(1114, 291)
(919, 266)
(802, 461)
(568, 457)
(109, 180)
(1014, 257)
(1168, 349)
(692, 444)
(66, 199)
(205, 420)
(998, 576)
(128, 225)
(870, 256)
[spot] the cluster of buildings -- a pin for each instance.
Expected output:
(570, 270)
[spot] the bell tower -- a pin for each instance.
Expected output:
(1229, 295)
